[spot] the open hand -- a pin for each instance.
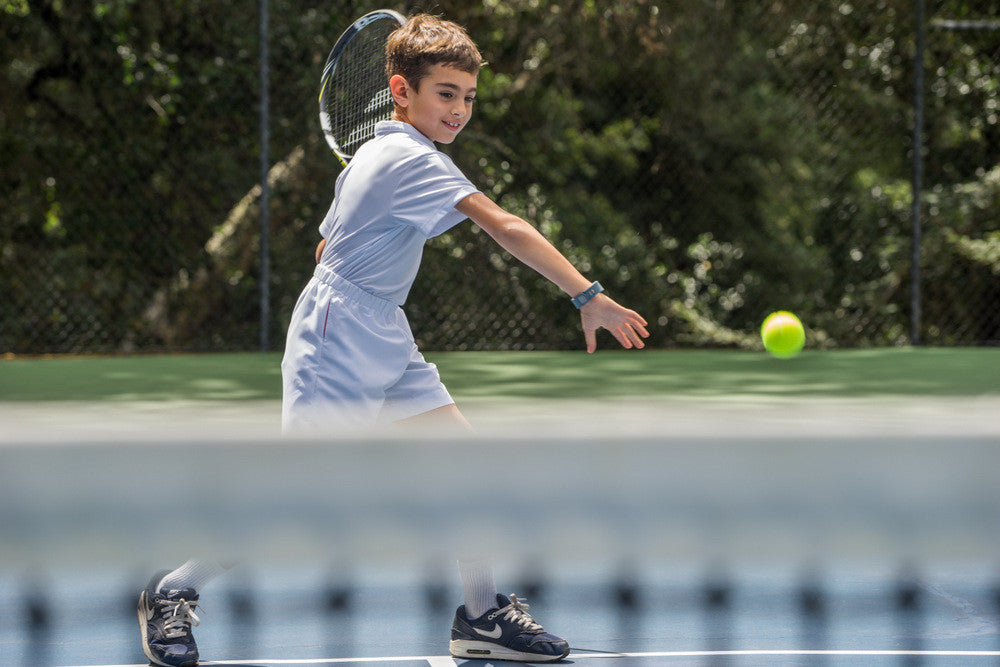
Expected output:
(627, 326)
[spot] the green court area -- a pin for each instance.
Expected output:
(646, 374)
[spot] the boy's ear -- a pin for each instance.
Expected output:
(400, 90)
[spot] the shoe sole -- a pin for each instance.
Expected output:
(470, 648)
(141, 612)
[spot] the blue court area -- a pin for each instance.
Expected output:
(647, 614)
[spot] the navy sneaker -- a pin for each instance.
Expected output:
(165, 620)
(505, 633)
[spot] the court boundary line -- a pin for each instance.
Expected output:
(448, 661)
(792, 652)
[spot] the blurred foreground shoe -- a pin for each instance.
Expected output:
(165, 619)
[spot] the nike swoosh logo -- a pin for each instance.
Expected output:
(492, 634)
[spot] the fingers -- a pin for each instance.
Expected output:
(631, 332)
(637, 329)
(622, 338)
(629, 337)
(627, 326)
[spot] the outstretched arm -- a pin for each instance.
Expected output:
(528, 245)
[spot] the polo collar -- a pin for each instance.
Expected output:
(385, 127)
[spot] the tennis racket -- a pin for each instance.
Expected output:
(354, 93)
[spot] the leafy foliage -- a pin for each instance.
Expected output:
(708, 162)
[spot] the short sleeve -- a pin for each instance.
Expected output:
(427, 193)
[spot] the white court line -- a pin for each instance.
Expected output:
(433, 660)
(443, 661)
(786, 652)
(446, 661)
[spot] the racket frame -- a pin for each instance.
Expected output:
(330, 68)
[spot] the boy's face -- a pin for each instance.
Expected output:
(442, 106)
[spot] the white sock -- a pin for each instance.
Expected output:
(192, 574)
(479, 586)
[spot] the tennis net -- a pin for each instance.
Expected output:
(676, 482)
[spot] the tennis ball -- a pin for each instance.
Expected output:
(783, 334)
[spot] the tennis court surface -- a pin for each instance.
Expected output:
(744, 529)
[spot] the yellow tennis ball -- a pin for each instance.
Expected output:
(783, 334)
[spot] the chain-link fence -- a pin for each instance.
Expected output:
(708, 162)
(961, 242)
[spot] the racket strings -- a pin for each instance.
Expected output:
(357, 95)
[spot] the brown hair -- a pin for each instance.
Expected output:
(424, 41)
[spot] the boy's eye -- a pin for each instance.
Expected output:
(447, 95)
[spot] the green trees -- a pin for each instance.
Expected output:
(707, 161)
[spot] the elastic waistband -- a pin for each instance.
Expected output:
(352, 291)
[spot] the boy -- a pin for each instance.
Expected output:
(350, 359)
(397, 192)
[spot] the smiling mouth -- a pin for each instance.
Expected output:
(453, 126)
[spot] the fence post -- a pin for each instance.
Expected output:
(917, 175)
(265, 137)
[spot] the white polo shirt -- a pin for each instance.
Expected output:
(350, 357)
(397, 192)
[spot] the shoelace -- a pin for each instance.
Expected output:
(517, 612)
(178, 617)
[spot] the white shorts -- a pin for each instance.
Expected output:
(350, 360)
